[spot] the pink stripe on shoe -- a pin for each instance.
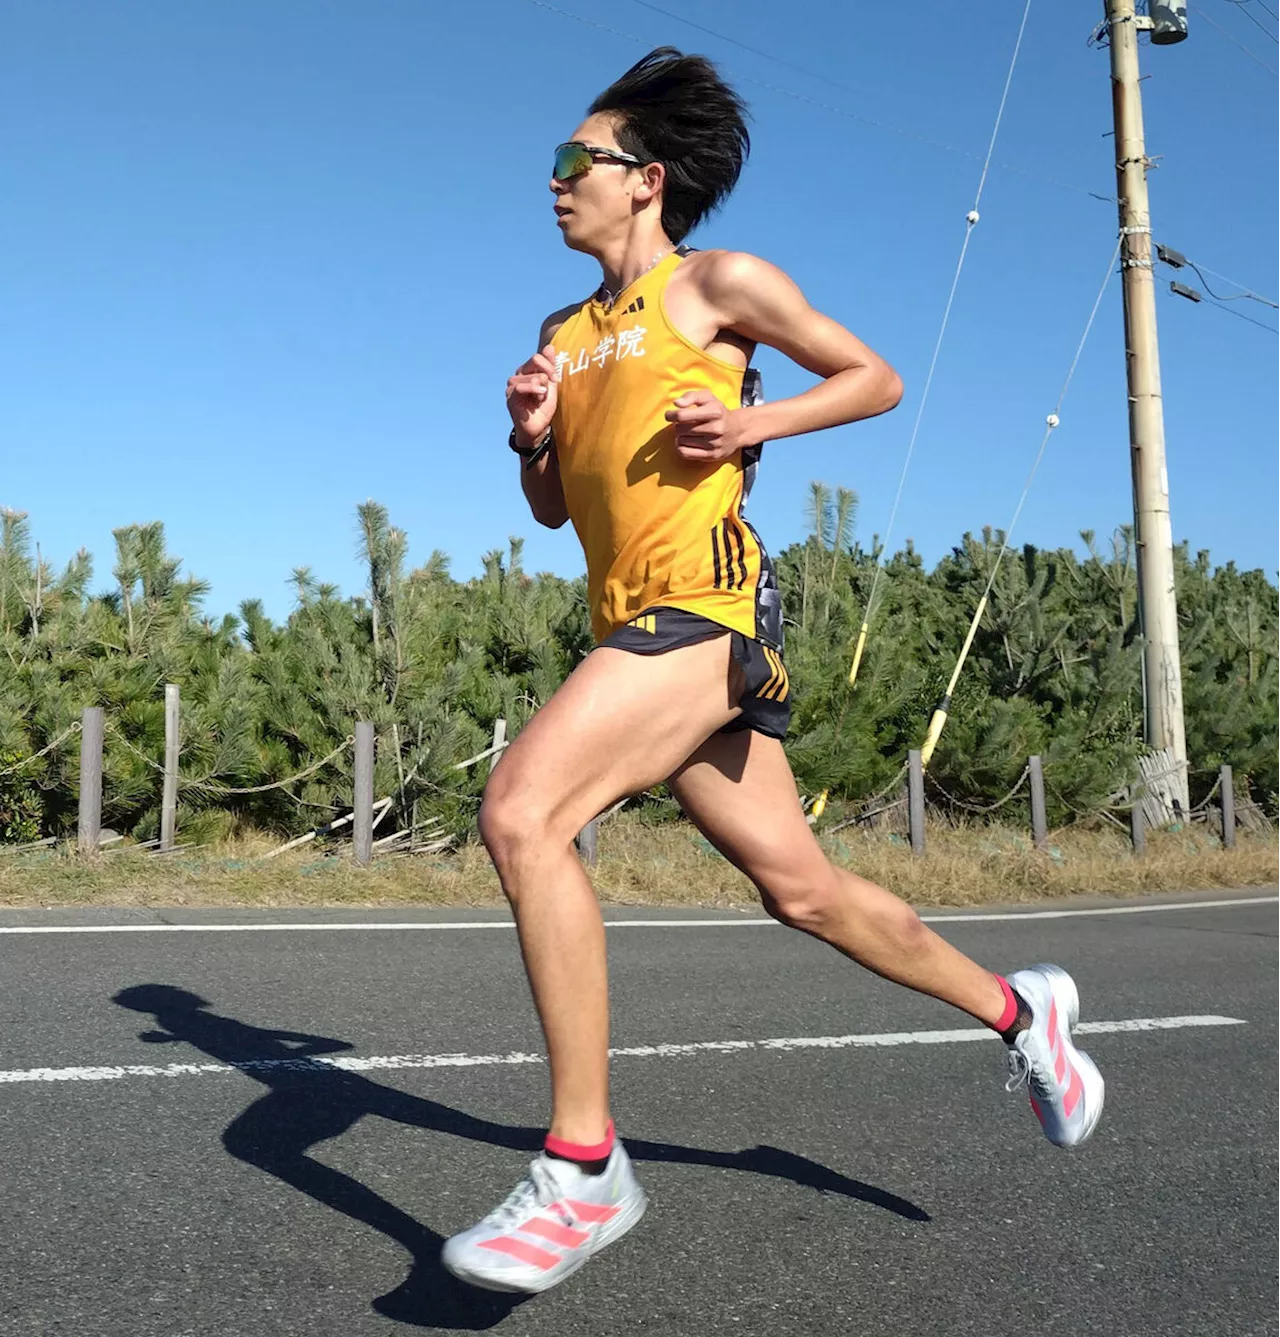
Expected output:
(526, 1253)
(592, 1213)
(555, 1232)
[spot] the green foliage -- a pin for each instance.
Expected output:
(19, 801)
(433, 662)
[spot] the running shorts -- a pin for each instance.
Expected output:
(766, 698)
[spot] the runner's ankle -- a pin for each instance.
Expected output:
(590, 1158)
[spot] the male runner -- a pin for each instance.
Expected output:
(639, 421)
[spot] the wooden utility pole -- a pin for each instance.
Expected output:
(169, 797)
(1157, 602)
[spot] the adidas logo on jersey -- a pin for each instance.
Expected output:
(636, 306)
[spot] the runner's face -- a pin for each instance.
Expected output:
(599, 205)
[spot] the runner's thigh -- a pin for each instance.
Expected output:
(739, 791)
(620, 723)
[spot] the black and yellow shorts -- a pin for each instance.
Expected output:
(766, 698)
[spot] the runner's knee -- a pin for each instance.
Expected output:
(502, 825)
(813, 900)
(514, 823)
(804, 898)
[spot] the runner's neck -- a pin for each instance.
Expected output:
(631, 258)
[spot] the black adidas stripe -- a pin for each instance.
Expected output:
(715, 557)
(742, 555)
(728, 553)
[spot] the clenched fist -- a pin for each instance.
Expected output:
(531, 397)
(706, 431)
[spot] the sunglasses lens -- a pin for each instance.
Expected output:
(571, 160)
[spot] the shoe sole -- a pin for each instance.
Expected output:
(535, 1285)
(1067, 997)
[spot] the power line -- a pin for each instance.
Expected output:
(1262, 3)
(842, 112)
(1176, 260)
(1235, 41)
(733, 41)
(1254, 19)
(1195, 295)
(1266, 301)
(1231, 311)
(1248, 295)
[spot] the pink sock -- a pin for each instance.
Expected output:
(576, 1151)
(1010, 1013)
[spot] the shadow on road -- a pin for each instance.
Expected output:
(307, 1103)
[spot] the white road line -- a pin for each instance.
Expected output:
(1106, 910)
(378, 1062)
(440, 926)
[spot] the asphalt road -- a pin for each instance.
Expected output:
(795, 1190)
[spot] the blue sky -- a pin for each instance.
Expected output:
(262, 261)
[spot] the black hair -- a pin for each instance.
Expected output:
(676, 110)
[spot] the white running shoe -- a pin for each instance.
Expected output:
(1064, 1084)
(549, 1226)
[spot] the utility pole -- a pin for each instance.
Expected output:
(1157, 601)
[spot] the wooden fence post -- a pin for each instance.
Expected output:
(915, 800)
(499, 739)
(362, 800)
(1138, 828)
(169, 800)
(588, 841)
(1039, 823)
(92, 725)
(1228, 809)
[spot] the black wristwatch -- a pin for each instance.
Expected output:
(531, 454)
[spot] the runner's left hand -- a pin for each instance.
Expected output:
(705, 429)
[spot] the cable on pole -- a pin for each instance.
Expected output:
(971, 220)
(943, 707)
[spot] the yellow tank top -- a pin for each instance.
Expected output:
(657, 531)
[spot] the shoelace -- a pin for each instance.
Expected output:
(1024, 1071)
(538, 1190)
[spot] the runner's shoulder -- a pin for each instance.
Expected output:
(722, 276)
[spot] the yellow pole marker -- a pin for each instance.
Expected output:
(857, 654)
(935, 731)
(819, 804)
(944, 706)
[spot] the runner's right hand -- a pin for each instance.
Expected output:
(531, 396)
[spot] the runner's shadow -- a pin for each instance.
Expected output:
(308, 1102)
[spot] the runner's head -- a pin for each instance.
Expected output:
(666, 143)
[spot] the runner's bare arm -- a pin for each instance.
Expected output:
(757, 301)
(531, 399)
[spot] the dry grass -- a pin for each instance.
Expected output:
(648, 864)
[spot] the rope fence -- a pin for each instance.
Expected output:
(986, 807)
(44, 751)
(1129, 808)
